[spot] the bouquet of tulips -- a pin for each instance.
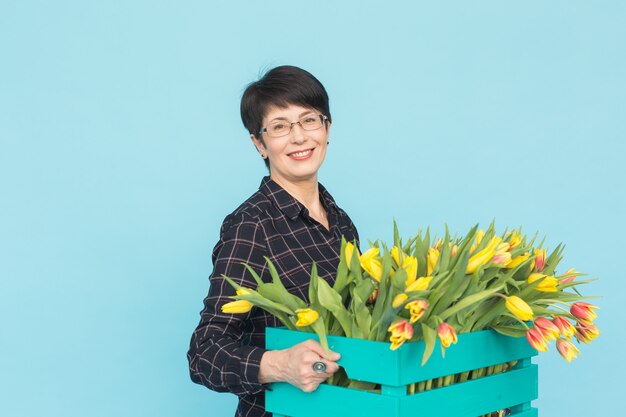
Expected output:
(425, 289)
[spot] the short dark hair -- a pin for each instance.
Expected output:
(281, 87)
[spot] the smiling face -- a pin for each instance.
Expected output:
(297, 156)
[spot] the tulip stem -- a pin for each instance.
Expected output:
(429, 384)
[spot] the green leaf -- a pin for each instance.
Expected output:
(331, 300)
(279, 294)
(512, 331)
(342, 278)
(273, 272)
(313, 285)
(468, 301)
(430, 338)
(256, 276)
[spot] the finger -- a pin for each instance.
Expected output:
(331, 368)
(317, 348)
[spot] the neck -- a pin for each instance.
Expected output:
(305, 191)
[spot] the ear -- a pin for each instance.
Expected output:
(259, 144)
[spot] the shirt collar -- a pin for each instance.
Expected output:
(291, 207)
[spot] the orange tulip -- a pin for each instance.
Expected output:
(401, 331)
(586, 332)
(536, 340)
(446, 334)
(569, 276)
(501, 259)
(567, 349)
(417, 309)
(583, 311)
(540, 259)
(566, 328)
(548, 330)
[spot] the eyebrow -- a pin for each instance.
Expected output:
(304, 113)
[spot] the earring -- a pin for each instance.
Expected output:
(328, 142)
(263, 156)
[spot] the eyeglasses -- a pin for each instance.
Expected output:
(280, 128)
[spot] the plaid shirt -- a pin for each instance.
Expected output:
(226, 349)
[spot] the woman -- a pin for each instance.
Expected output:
(291, 219)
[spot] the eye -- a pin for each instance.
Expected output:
(310, 119)
(278, 126)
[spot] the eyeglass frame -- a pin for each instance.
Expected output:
(323, 116)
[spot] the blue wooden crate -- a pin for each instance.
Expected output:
(370, 361)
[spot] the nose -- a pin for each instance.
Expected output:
(297, 133)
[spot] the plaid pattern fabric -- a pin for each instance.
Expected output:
(226, 349)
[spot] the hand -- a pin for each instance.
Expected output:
(295, 365)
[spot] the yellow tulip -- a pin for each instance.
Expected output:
(242, 290)
(534, 277)
(517, 261)
(503, 247)
(410, 265)
(515, 240)
(479, 237)
(433, 257)
(370, 253)
(548, 284)
(420, 284)
(370, 264)
(398, 300)
(373, 267)
(237, 307)
(348, 252)
(482, 257)
(306, 317)
(395, 254)
(519, 308)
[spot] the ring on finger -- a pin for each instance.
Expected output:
(319, 367)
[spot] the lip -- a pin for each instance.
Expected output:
(301, 158)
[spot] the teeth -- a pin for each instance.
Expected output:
(303, 153)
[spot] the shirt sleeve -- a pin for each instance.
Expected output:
(218, 356)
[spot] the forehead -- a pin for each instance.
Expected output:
(291, 112)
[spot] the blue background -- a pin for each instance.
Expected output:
(122, 151)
